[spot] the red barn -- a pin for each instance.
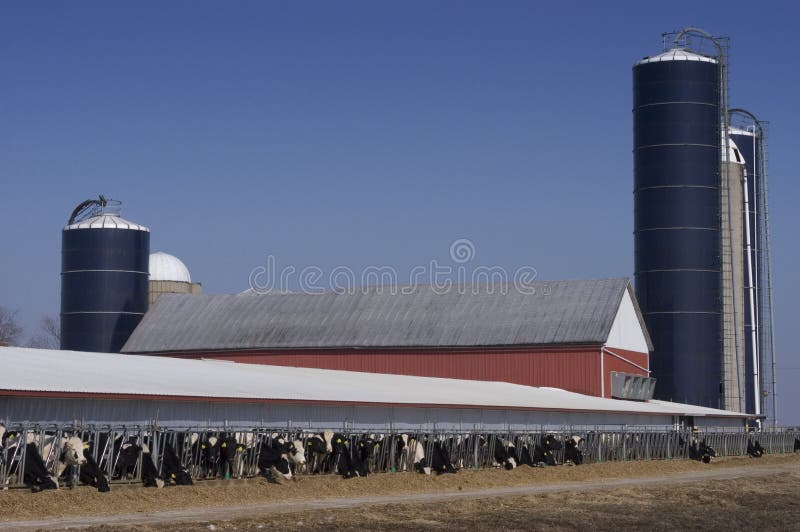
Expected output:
(562, 334)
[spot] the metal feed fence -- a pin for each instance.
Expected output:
(382, 449)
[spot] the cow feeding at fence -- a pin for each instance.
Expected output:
(44, 457)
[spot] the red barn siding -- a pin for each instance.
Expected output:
(634, 358)
(572, 368)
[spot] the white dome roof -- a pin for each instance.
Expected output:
(166, 267)
(106, 221)
(677, 54)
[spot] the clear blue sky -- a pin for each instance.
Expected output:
(360, 133)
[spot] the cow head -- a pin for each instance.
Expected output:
(339, 443)
(707, 450)
(572, 452)
(754, 449)
(402, 442)
(327, 437)
(316, 445)
(282, 467)
(210, 449)
(295, 452)
(11, 439)
(72, 450)
(245, 440)
(128, 455)
(551, 443)
(367, 445)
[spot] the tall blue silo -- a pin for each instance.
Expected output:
(104, 278)
(677, 165)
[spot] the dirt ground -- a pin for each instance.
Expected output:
(771, 501)
(763, 503)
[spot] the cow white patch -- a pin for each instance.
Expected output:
(328, 437)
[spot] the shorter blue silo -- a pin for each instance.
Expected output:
(104, 278)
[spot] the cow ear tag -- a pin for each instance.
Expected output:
(85, 445)
(203, 446)
(224, 445)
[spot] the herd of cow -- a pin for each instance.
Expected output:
(43, 459)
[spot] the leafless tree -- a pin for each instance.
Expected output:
(10, 329)
(49, 334)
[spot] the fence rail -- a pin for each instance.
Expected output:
(472, 449)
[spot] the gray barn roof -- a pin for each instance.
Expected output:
(559, 312)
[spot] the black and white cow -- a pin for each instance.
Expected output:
(190, 448)
(228, 447)
(505, 453)
(75, 453)
(219, 455)
(524, 451)
(37, 477)
(572, 451)
(273, 463)
(205, 452)
(35, 473)
(368, 445)
(699, 451)
(411, 452)
(295, 453)
(129, 453)
(90, 473)
(279, 448)
(70, 455)
(346, 460)
(2, 446)
(754, 449)
(544, 451)
(440, 459)
(797, 445)
(319, 448)
(172, 470)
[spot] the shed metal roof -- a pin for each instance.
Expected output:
(552, 312)
(76, 374)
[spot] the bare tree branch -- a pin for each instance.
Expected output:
(10, 329)
(52, 328)
(49, 335)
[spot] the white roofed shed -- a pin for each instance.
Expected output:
(49, 386)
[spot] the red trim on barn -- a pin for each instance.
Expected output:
(573, 368)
